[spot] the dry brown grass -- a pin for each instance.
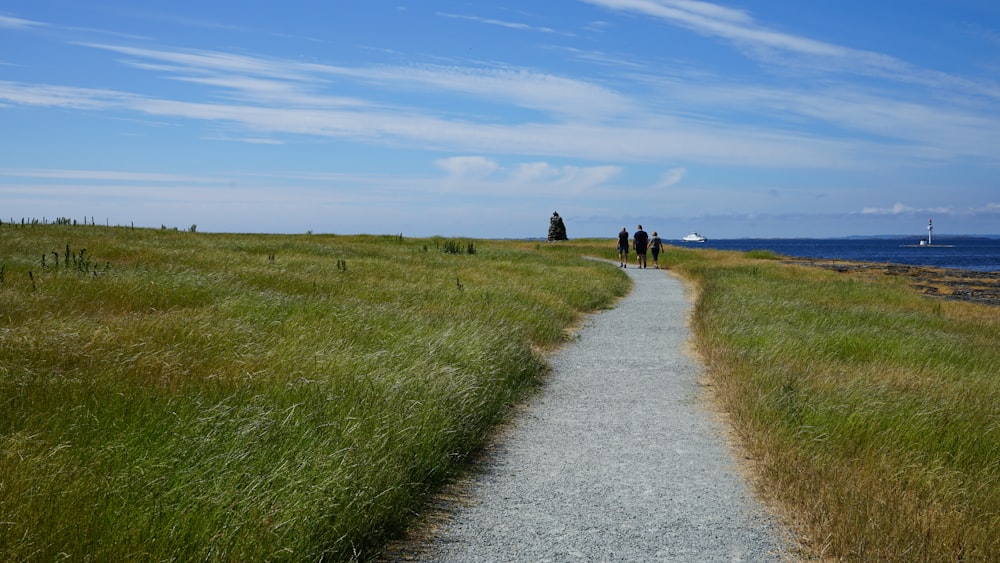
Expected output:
(869, 408)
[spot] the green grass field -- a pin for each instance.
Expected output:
(177, 396)
(173, 395)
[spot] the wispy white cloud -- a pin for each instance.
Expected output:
(266, 78)
(758, 41)
(470, 174)
(580, 177)
(655, 139)
(671, 177)
(271, 91)
(956, 216)
(570, 118)
(601, 58)
(247, 140)
(60, 96)
(103, 175)
(9, 22)
(535, 171)
(175, 19)
(588, 177)
(896, 209)
(983, 33)
(546, 92)
(525, 179)
(926, 130)
(501, 23)
(903, 209)
(466, 166)
(577, 122)
(215, 61)
(597, 26)
(723, 22)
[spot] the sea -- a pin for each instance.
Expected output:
(966, 253)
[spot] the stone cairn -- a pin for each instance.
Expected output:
(557, 229)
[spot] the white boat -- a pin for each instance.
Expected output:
(693, 237)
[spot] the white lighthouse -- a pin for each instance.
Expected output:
(930, 239)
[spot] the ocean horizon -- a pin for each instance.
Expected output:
(965, 252)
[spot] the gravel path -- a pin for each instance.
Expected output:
(617, 459)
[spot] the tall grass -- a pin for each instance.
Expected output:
(873, 412)
(234, 397)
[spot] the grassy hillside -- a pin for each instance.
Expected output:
(169, 395)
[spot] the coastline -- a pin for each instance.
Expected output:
(977, 254)
(971, 286)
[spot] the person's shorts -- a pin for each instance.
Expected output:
(641, 250)
(623, 249)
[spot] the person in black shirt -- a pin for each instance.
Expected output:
(640, 239)
(623, 248)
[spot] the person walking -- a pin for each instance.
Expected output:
(623, 248)
(655, 245)
(640, 239)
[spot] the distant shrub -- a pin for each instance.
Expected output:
(458, 247)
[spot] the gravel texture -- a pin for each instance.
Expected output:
(617, 459)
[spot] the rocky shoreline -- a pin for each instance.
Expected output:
(943, 283)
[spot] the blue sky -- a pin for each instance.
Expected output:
(753, 119)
